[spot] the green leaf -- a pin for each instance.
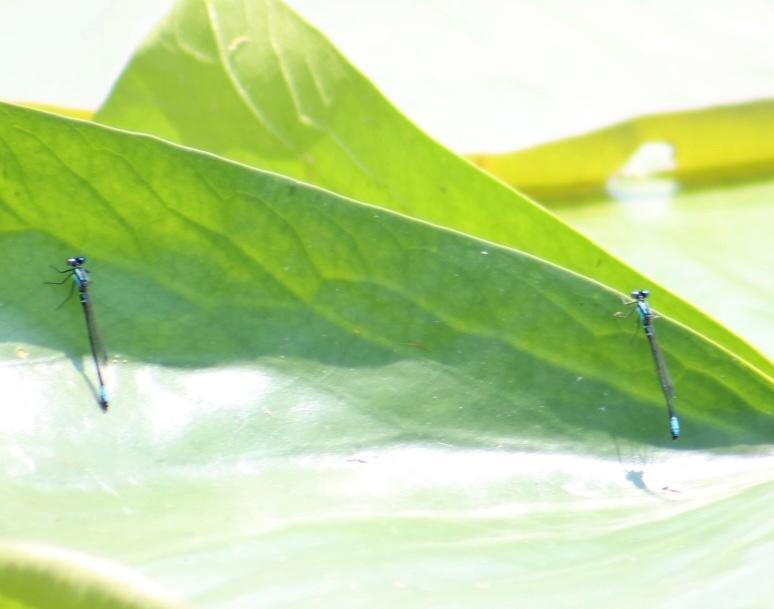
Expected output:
(41, 577)
(710, 145)
(277, 268)
(255, 83)
(328, 328)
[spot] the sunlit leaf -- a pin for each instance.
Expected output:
(253, 82)
(71, 112)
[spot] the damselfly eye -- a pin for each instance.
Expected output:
(635, 294)
(80, 260)
(644, 293)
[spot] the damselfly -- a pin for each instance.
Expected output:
(80, 277)
(646, 315)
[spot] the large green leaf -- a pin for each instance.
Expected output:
(298, 370)
(255, 83)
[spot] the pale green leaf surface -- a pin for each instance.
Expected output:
(319, 399)
(255, 83)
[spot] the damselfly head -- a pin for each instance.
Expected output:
(640, 294)
(76, 261)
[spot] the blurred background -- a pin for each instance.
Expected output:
(503, 75)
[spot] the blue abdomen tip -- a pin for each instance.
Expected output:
(674, 426)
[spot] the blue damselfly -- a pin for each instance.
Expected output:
(646, 316)
(81, 281)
